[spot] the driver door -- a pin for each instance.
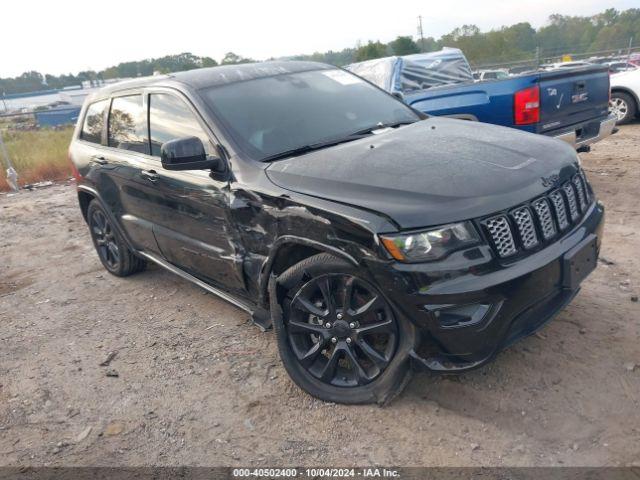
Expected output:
(191, 222)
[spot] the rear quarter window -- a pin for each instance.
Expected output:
(93, 125)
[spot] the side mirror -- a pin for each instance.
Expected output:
(399, 96)
(188, 154)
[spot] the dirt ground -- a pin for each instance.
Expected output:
(195, 383)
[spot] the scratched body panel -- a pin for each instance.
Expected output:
(268, 218)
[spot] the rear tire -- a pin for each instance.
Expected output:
(114, 253)
(623, 106)
(344, 347)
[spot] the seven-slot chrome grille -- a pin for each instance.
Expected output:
(528, 226)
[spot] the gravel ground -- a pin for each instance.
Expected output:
(193, 382)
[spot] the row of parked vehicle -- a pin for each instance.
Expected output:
(616, 64)
(374, 238)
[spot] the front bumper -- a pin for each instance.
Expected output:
(467, 308)
(585, 134)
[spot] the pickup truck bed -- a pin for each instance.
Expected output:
(570, 104)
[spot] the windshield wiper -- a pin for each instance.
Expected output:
(382, 126)
(315, 146)
(329, 143)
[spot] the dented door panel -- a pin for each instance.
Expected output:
(192, 227)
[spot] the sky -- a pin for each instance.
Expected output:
(72, 35)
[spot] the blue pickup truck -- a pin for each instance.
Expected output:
(569, 104)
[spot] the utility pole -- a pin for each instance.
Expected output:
(421, 33)
(537, 57)
(629, 49)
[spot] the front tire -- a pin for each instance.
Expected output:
(337, 335)
(114, 253)
(623, 106)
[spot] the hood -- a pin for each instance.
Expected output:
(431, 172)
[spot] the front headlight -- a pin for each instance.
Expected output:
(430, 244)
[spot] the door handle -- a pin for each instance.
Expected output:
(150, 175)
(99, 159)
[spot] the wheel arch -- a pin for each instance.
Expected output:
(84, 199)
(86, 195)
(289, 250)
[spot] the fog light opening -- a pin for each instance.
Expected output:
(456, 316)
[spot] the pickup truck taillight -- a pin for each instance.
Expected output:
(526, 106)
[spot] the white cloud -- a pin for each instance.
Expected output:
(64, 37)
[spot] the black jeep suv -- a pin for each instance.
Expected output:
(374, 239)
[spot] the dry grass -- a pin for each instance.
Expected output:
(37, 155)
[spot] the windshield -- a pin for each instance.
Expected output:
(272, 115)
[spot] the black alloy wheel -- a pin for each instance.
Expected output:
(341, 330)
(104, 239)
(114, 253)
(339, 337)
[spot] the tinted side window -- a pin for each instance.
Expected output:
(127, 124)
(94, 122)
(170, 118)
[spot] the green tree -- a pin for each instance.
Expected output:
(403, 46)
(428, 44)
(339, 58)
(371, 50)
(174, 63)
(566, 34)
(469, 39)
(616, 29)
(231, 58)
(520, 37)
(206, 62)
